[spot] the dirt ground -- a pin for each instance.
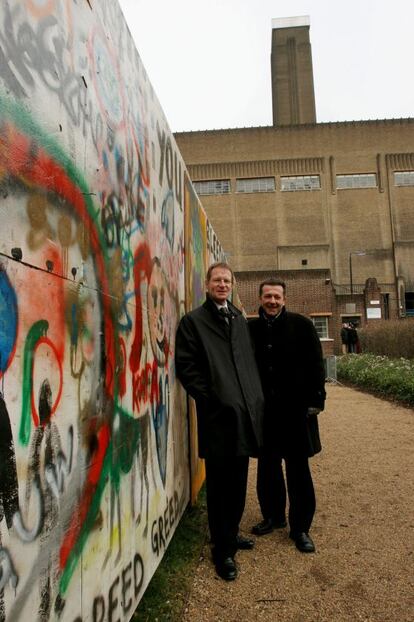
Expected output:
(363, 530)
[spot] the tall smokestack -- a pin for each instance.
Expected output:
(293, 93)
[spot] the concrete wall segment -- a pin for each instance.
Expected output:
(94, 444)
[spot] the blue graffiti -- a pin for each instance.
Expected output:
(8, 320)
(160, 417)
(167, 217)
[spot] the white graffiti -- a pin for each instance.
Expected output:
(7, 571)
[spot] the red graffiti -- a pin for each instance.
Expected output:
(50, 344)
(145, 386)
(27, 160)
(142, 267)
(94, 475)
(122, 371)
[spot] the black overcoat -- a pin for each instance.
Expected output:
(289, 357)
(215, 363)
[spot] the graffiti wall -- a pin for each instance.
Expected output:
(94, 467)
(196, 261)
(202, 248)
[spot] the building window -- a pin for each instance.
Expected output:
(363, 180)
(300, 182)
(321, 325)
(212, 186)
(405, 178)
(256, 184)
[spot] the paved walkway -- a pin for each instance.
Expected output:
(363, 569)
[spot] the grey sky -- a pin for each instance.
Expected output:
(209, 60)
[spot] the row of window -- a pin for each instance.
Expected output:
(297, 183)
(258, 184)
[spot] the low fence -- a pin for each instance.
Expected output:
(330, 368)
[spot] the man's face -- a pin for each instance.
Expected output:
(272, 299)
(220, 284)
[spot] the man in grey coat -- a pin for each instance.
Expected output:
(215, 364)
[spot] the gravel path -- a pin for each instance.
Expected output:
(363, 530)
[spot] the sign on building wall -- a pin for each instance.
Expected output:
(94, 439)
(373, 313)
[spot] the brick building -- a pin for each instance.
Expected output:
(323, 203)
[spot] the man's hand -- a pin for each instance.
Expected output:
(313, 411)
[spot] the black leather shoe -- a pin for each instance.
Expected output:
(244, 544)
(226, 569)
(267, 525)
(303, 542)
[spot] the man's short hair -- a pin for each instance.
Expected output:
(273, 282)
(219, 264)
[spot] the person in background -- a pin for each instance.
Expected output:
(344, 337)
(289, 358)
(215, 363)
(352, 339)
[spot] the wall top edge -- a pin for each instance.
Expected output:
(254, 274)
(311, 159)
(290, 22)
(290, 128)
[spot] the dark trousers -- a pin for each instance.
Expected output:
(226, 482)
(271, 490)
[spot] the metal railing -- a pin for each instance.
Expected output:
(358, 288)
(330, 368)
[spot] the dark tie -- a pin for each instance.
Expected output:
(226, 312)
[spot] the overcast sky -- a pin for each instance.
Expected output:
(209, 60)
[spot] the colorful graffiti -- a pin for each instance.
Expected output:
(94, 471)
(195, 236)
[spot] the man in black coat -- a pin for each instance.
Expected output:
(289, 358)
(216, 365)
(345, 337)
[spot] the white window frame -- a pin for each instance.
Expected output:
(255, 184)
(212, 186)
(356, 180)
(299, 183)
(321, 328)
(404, 178)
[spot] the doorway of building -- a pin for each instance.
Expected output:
(352, 319)
(409, 304)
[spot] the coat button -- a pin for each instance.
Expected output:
(269, 346)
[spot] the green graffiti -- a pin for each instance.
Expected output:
(39, 329)
(122, 449)
(118, 460)
(14, 111)
(87, 525)
(125, 444)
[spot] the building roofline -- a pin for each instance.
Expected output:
(290, 22)
(290, 128)
(256, 273)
